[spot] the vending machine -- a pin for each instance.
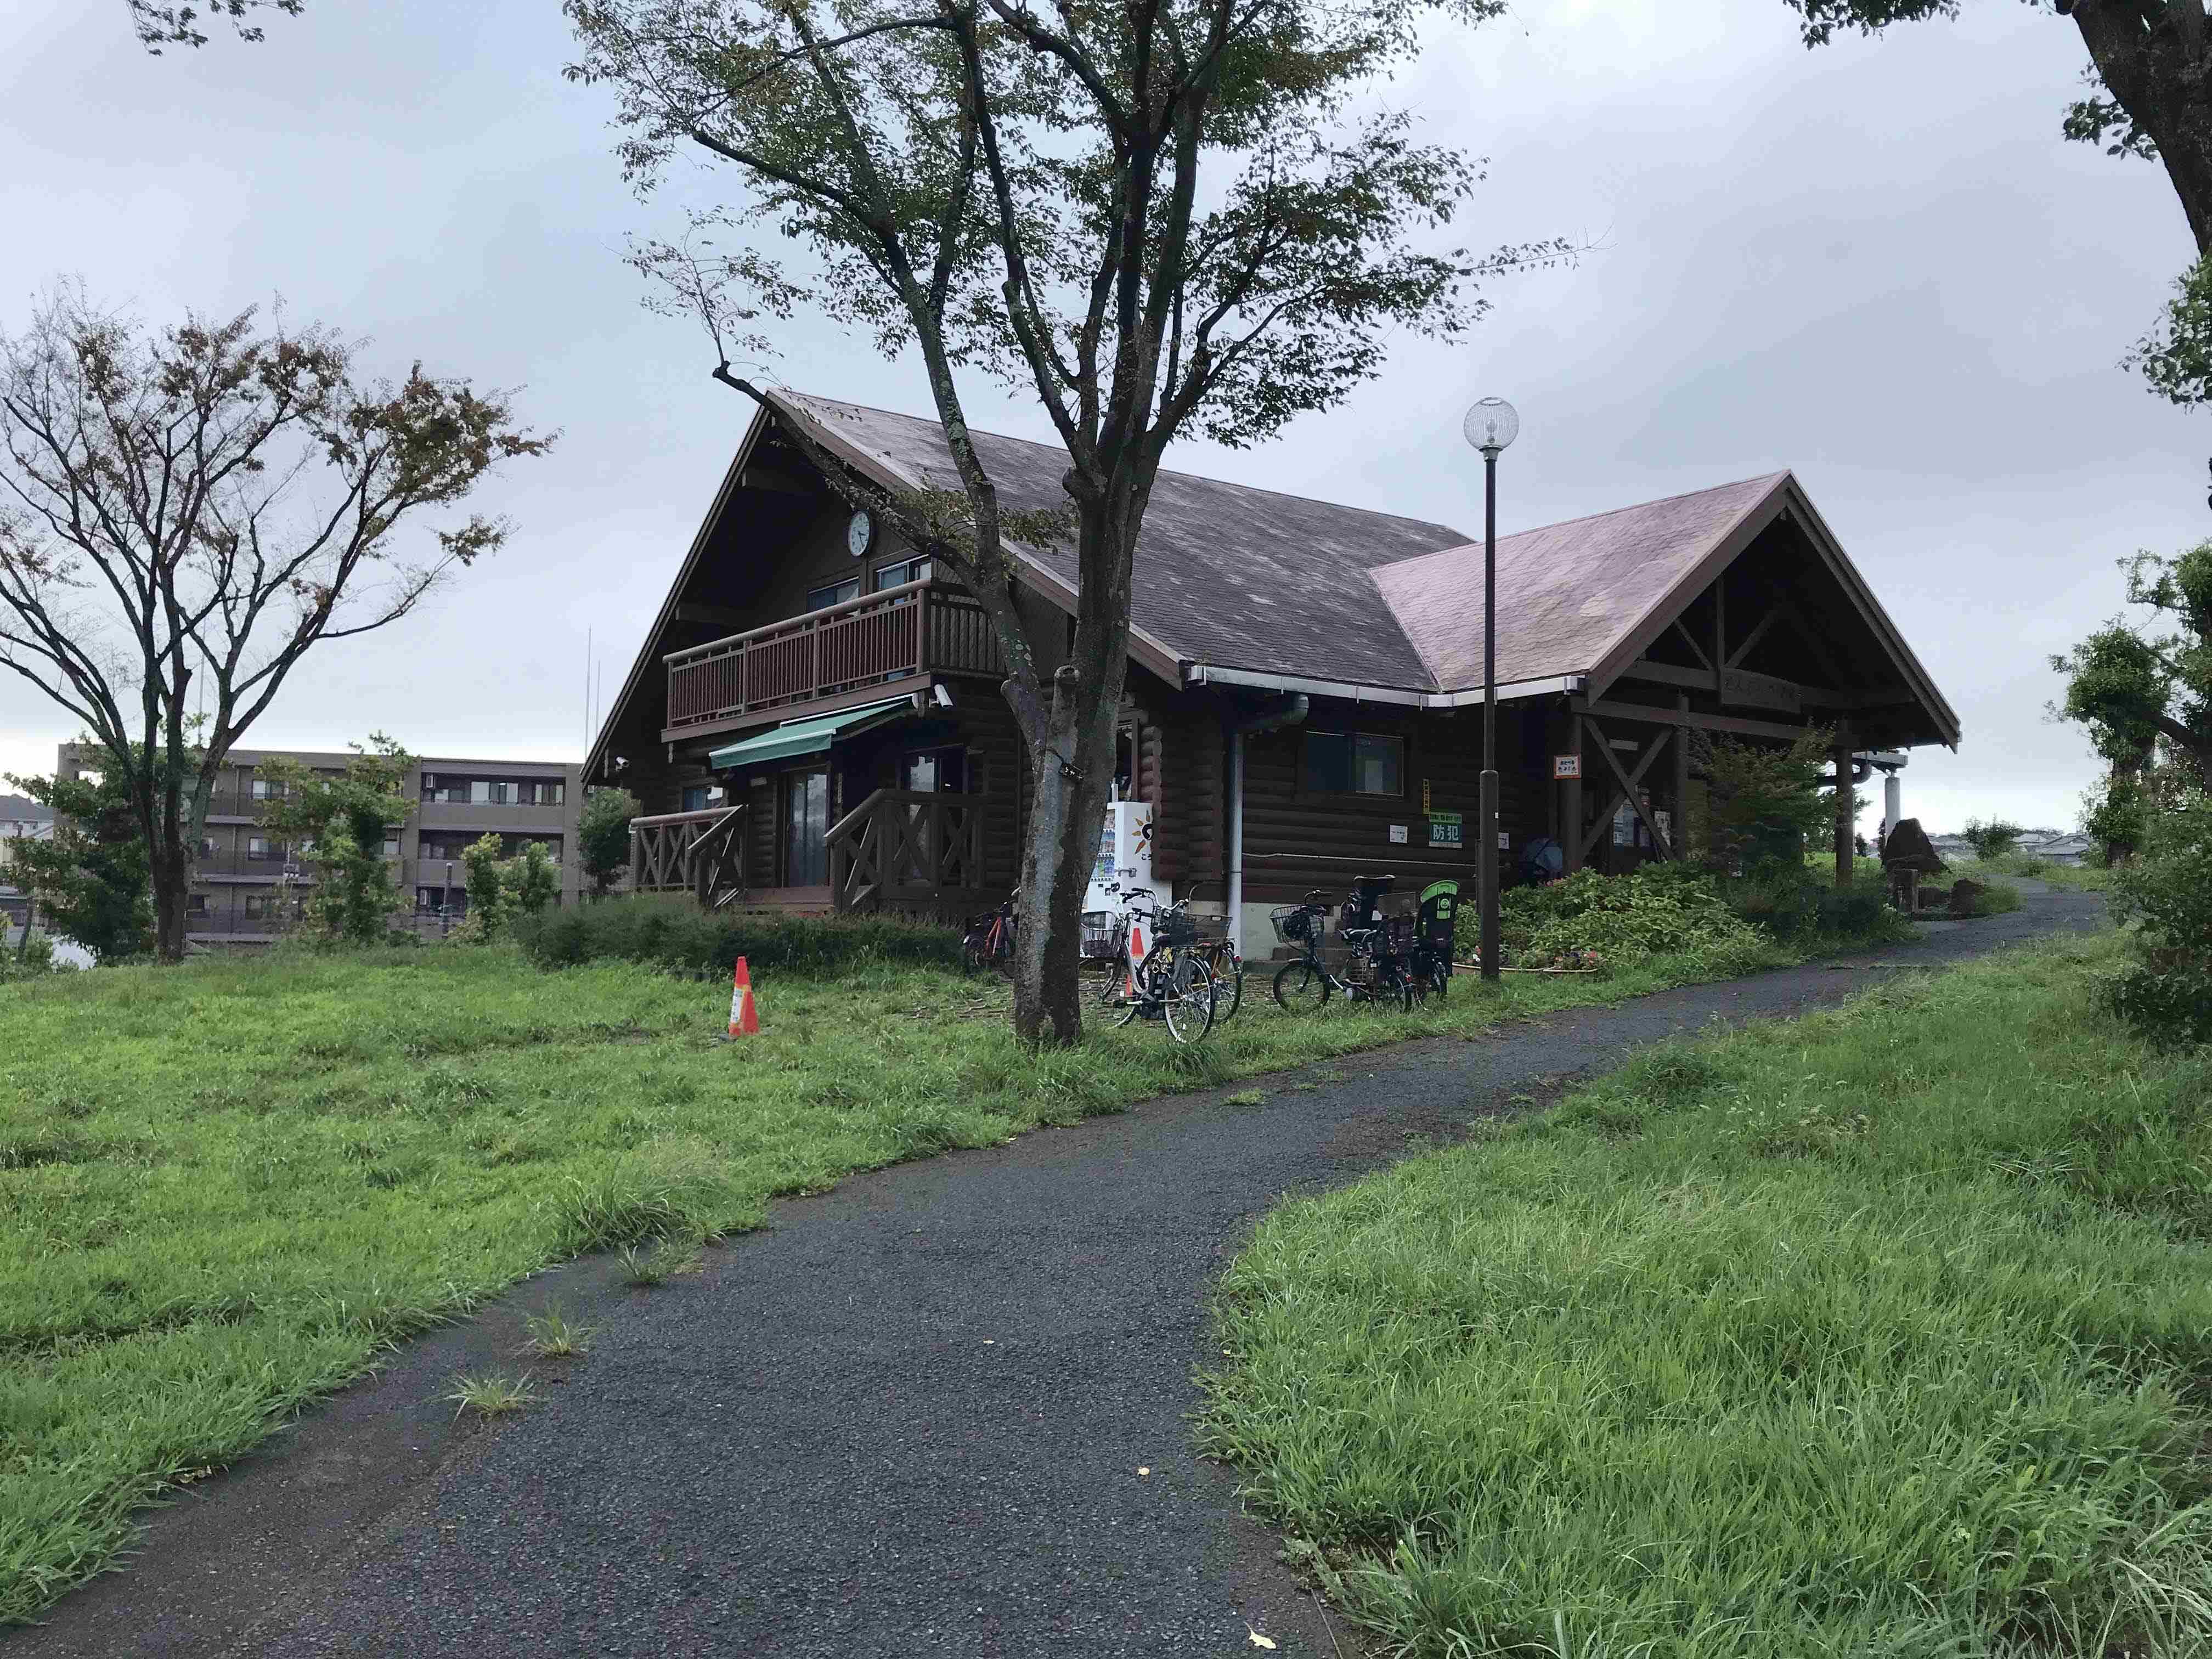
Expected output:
(1125, 856)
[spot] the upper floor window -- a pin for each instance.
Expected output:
(260, 847)
(493, 792)
(267, 789)
(698, 797)
(833, 593)
(392, 847)
(1354, 763)
(906, 570)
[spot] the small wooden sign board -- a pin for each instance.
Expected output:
(1566, 766)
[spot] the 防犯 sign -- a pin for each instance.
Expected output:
(1566, 766)
(1445, 829)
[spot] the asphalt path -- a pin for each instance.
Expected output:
(942, 1410)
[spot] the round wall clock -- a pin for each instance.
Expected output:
(861, 532)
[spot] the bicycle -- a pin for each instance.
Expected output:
(1309, 981)
(1170, 982)
(989, 941)
(1222, 960)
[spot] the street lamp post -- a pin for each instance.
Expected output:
(1491, 425)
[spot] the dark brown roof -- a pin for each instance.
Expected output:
(1235, 578)
(1225, 574)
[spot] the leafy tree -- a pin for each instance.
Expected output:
(88, 881)
(346, 820)
(533, 880)
(185, 513)
(1992, 838)
(602, 835)
(1172, 218)
(1763, 802)
(487, 885)
(2136, 688)
(159, 26)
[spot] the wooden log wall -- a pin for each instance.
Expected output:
(1295, 839)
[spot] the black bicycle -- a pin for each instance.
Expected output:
(1380, 960)
(1161, 973)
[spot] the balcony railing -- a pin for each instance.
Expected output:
(260, 869)
(914, 629)
(702, 854)
(237, 803)
(906, 847)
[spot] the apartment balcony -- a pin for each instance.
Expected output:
(244, 866)
(236, 803)
(235, 927)
(842, 653)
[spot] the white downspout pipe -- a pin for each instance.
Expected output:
(1291, 714)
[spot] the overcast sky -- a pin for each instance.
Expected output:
(1877, 264)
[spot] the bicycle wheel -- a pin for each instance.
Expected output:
(1187, 998)
(1138, 987)
(1301, 986)
(1114, 975)
(1393, 984)
(1228, 981)
(1002, 950)
(973, 950)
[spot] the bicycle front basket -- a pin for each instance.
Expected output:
(1293, 924)
(1101, 934)
(1178, 927)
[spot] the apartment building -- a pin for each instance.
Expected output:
(21, 818)
(248, 885)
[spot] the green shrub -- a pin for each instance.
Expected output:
(1626, 919)
(673, 933)
(2167, 896)
(34, 958)
(1799, 905)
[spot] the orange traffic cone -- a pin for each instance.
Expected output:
(743, 1021)
(1136, 955)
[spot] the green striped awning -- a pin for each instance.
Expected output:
(810, 736)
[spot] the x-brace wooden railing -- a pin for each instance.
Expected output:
(907, 845)
(695, 853)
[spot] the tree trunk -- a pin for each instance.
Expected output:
(172, 882)
(1066, 813)
(2157, 74)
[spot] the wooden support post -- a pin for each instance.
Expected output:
(1845, 795)
(1682, 735)
(1571, 806)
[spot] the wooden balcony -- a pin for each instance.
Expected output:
(914, 629)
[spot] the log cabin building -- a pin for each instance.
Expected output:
(814, 719)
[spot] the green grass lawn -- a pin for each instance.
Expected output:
(230, 1185)
(1885, 1332)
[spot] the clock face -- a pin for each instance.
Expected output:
(859, 533)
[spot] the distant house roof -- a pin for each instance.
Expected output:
(21, 809)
